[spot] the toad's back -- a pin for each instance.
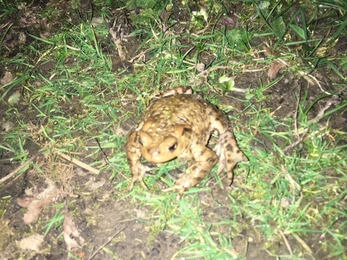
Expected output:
(192, 110)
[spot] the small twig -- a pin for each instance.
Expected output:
(299, 138)
(18, 169)
(78, 163)
(107, 161)
(296, 113)
(286, 242)
(334, 100)
(302, 243)
(103, 245)
(308, 77)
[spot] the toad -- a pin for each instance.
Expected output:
(178, 124)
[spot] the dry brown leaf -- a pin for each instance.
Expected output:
(70, 242)
(35, 208)
(37, 201)
(8, 77)
(274, 69)
(33, 243)
(24, 202)
(228, 21)
(22, 38)
(72, 236)
(7, 126)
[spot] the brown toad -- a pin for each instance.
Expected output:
(179, 124)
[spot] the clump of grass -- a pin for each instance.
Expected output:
(309, 30)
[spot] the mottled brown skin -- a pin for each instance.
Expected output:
(179, 124)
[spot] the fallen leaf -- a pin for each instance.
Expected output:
(7, 126)
(8, 77)
(24, 202)
(33, 243)
(35, 208)
(228, 21)
(78, 253)
(72, 236)
(274, 69)
(37, 201)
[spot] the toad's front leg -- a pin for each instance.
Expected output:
(203, 161)
(137, 169)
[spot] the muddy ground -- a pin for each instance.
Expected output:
(102, 217)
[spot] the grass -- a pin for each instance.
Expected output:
(292, 191)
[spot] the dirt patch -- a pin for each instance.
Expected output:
(103, 221)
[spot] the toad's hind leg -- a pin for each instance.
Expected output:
(204, 160)
(229, 154)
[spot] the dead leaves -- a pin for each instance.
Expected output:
(275, 68)
(32, 243)
(72, 235)
(36, 201)
(46, 193)
(7, 78)
(278, 64)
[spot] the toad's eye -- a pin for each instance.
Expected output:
(173, 147)
(140, 142)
